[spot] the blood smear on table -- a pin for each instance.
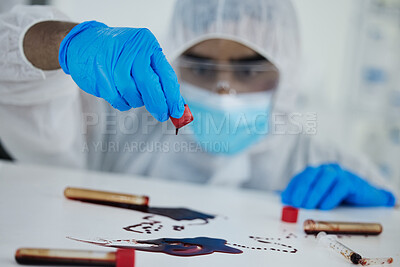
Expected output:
(172, 246)
(179, 214)
(189, 246)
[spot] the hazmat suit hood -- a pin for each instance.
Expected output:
(269, 27)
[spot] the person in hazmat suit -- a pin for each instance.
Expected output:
(236, 62)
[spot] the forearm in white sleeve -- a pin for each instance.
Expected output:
(40, 110)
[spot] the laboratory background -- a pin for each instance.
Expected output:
(350, 72)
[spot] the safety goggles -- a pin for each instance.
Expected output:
(229, 77)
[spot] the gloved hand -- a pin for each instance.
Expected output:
(124, 66)
(328, 185)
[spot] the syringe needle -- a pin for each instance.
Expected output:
(331, 242)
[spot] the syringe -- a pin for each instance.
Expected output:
(330, 241)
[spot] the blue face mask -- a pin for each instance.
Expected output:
(227, 124)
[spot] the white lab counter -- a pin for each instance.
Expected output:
(34, 213)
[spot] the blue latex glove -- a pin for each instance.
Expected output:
(327, 186)
(124, 66)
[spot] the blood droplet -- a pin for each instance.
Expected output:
(186, 118)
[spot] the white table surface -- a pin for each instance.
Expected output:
(34, 213)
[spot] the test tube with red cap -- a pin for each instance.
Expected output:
(44, 256)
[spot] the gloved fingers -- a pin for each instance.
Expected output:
(126, 86)
(148, 84)
(299, 186)
(322, 186)
(287, 194)
(336, 195)
(381, 197)
(169, 83)
(368, 195)
(106, 90)
(305, 186)
(119, 103)
(385, 198)
(131, 95)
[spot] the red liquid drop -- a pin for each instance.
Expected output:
(186, 118)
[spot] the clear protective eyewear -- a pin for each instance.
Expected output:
(229, 77)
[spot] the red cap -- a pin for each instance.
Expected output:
(125, 258)
(289, 214)
(146, 200)
(186, 118)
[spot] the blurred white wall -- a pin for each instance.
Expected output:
(152, 14)
(6, 5)
(325, 27)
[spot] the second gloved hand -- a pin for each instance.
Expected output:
(328, 185)
(124, 66)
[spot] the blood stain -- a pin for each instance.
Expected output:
(290, 235)
(176, 246)
(264, 241)
(177, 214)
(178, 227)
(145, 226)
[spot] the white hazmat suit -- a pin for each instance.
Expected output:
(46, 119)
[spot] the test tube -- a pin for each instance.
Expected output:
(351, 228)
(41, 256)
(106, 198)
(331, 242)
